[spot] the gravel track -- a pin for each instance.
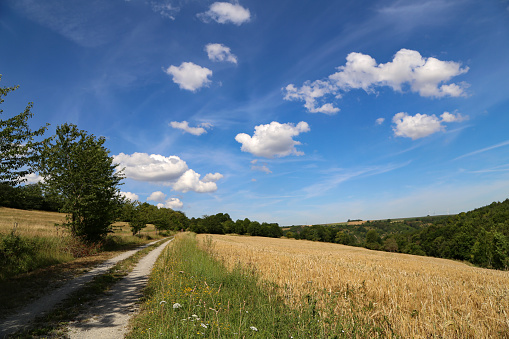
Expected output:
(108, 318)
(27, 314)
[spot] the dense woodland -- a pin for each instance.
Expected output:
(480, 237)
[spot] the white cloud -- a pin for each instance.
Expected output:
(417, 126)
(225, 12)
(184, 125)
(309, 92)
(153, 167)
(130, 196)
(408, 70)
(190, 181)
(451, 117)
(273, 140)
(173, 203)
(262, 168)
(190, 76)
(171, 171)
(422, 125)
(33, 178)
(212, 177)
(380, 121)
(219, 52)
(165, 9)
(157, 196)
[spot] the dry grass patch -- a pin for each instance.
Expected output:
(403, 295)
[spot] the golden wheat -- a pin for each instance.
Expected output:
(411, 296)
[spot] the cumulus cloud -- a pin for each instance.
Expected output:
(219, 52)
(273, 140)
(184, 125)
(422, 125)
(130, 196)
(173, 203)
(212, 177)
(157, 196)
(153, 167)
(451, 117)
(379, 121)
(190, 181)
(225, 12)
(190, 76)
(171, 171)
(407, 71)
(32, 178)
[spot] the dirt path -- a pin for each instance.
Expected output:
(27, 314)
(109, 317)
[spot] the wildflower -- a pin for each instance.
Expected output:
(203, 325)
(254, 328)
(163, 302)
(176, 305)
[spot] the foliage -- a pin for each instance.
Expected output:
(480, 236)
(77, 167)
(221, 223)
(28, 197)
(18, 150)
(15, 254)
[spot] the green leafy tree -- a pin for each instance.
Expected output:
(18, 150)
(141, 215)
(77, 167)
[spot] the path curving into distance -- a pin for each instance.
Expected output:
(27, 314)
(108, 318)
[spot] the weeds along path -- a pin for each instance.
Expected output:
(109, 317)
(27, 314)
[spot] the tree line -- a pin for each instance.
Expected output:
(480, 237)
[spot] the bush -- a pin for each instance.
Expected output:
(16, 254)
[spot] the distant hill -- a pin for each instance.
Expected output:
(480, 236)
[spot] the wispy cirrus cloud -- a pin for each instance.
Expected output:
(482, 150)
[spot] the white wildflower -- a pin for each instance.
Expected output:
(203, 325)
(254, 328)
(176, 305)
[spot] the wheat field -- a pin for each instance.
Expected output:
(405, 295)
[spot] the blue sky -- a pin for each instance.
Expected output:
(296, 112)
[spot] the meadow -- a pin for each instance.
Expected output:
(375, 294)
(32, 239)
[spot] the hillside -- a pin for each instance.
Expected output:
(480, 237)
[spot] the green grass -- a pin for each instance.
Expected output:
(191, 295)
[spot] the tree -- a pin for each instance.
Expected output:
(78, 168)
(18, 150)
(142, 213)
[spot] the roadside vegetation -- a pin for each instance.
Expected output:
(190, 294)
